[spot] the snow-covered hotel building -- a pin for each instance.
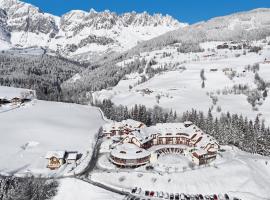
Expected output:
(138, 144)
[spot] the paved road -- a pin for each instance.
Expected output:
(93, 161)
(86, 174)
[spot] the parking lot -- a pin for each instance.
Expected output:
(139, 194)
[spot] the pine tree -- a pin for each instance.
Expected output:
(264, 93)
(203, 84)
(171, 117)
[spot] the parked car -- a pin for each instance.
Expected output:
(146, 193)
(156, 194)
(151, 194)
(226, 196)
(235, 198)
(171, 196)
(187, 196)
(221, 197)
(182, 196)
(207, 197)
(160, 194)
(133, 190)
(138, 191)
(201, 197)
(177, 196)
(166, 195)
(215, 197)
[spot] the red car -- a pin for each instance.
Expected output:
(151, 194)
(215, 197)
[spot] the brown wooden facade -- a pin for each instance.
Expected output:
(120, 162)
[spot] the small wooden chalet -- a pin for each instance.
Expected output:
(55, 159)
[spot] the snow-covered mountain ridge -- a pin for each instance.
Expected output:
(78, 32)
(249, 25)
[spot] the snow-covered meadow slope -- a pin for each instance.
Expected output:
(71, 189)
(172, 79)
(30, 130)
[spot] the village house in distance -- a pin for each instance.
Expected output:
(13, 100)
(138, 144)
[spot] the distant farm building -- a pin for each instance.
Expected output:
(16, 100)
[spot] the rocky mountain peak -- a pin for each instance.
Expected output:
(26, 17)
(77, 32)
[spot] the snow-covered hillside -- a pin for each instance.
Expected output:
(29, 131)
(177, 82)
(71, 189)
(249, 25)
(78, 34)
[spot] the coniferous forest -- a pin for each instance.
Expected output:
(13, 188)
(228, 129)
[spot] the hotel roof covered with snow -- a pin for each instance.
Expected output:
(138, 143)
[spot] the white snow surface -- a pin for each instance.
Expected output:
(181, 89)
(29, 131)
(235, 172)
(71, 189)
(10, 92)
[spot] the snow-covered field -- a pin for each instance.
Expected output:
(71, 189)
(181, 90)
(10, 92)
(235, 172)
(29, 131)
